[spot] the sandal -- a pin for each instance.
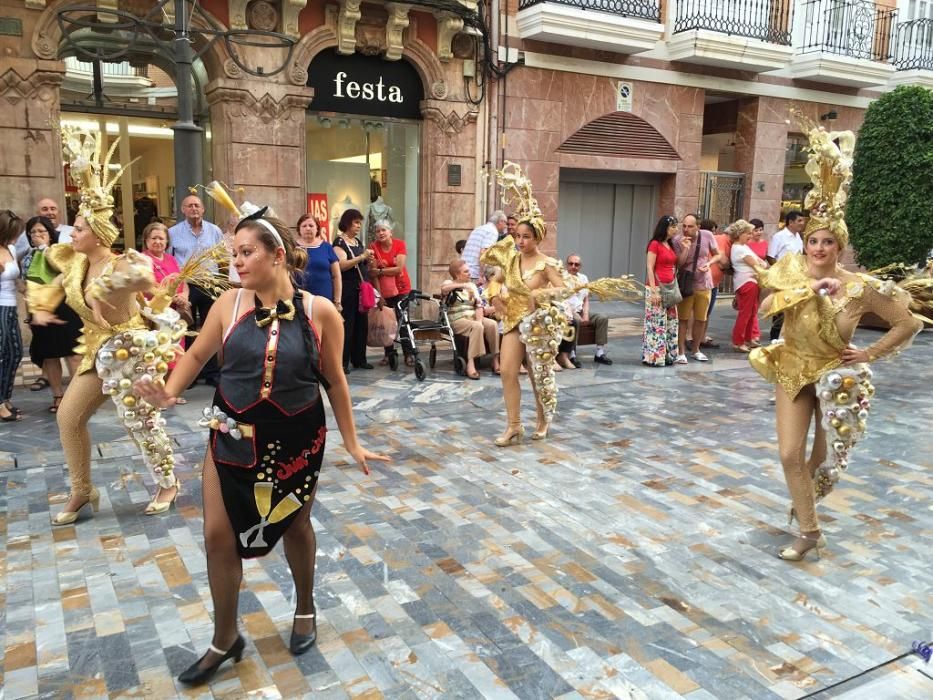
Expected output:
(39, 384)
(12, 417)
(741, 348)
(56, 402)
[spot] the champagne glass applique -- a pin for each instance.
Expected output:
(262, 493)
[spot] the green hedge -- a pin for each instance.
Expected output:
(890, 212)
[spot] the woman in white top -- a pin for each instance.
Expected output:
(744, 262)
(11, 342)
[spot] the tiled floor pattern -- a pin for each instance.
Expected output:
(631, 555)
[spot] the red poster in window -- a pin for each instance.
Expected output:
(317, 207)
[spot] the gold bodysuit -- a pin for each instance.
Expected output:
(817, 329)
(121, 350)
(124, 316)
(517, 300)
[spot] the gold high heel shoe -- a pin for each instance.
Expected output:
(157, 507)
(513, 434)
(541, 434)
(791, 554)
(67, 517)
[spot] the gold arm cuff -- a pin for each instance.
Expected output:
(43, 297)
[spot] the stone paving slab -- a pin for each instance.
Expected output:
(631, 555)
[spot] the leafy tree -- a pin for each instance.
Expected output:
(890, 211)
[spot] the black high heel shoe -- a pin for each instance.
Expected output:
(298, 644)
(195, 675)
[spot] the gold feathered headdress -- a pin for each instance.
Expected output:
(830, 169)
(516, 192)
(90, 175)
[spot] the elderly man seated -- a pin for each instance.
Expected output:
(579, 307)
(465, 313)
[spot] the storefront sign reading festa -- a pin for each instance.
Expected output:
(367, 85)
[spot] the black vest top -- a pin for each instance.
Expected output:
(271, 364)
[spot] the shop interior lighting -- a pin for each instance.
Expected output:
(114, 128)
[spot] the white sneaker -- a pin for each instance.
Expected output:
(700, 357)
(680, 360)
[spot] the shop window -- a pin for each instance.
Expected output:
(146, 190)
(369, 164)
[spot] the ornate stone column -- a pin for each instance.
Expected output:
(447, 210)
(760, 147)
(258, 141)
(31, 157)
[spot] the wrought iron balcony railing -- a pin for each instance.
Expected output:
(853, 28)
(913, 47)
(637, 9)
(765, 20)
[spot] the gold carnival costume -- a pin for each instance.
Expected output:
(806, 362)
(541, 318)
(121, 341)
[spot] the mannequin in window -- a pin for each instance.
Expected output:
(378, 211)
(337, 211)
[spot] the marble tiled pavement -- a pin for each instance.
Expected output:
(631, 555)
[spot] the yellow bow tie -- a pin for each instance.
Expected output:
(284, 309)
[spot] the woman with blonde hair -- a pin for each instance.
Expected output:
(118, 343)
(819, 372)
(745, 265)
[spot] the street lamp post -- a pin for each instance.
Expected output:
(187, 141)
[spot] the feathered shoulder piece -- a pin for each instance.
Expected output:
(60, 256)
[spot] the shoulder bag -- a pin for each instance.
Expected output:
(670, 294)
(367, 297)
(686, 277)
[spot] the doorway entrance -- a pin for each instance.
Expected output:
(607, 219)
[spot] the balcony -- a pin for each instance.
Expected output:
(621, 26)
(846, 42)
(913, 53)
(750, 35)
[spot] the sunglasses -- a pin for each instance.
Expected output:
(573, 264)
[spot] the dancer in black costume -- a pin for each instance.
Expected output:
(279, 345)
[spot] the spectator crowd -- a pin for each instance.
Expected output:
(687, 263)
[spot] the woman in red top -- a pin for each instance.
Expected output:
(659, 344)
(389, 274)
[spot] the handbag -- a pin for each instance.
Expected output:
(670, 294)
(381, 327)
(685, 278)
(367, 298)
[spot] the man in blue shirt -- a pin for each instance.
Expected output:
(189, 237)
